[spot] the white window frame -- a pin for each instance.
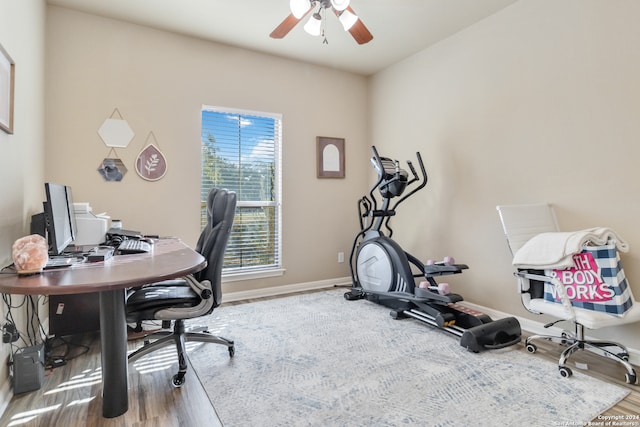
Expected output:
(257, 272)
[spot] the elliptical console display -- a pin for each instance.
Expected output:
(384, 273)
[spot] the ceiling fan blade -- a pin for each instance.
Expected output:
(287, 25)
(358, 31)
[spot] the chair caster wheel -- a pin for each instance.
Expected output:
(178, 380)
(623, 356)
(630, 378)
(565, 372)
(232, 351)
(531, 348)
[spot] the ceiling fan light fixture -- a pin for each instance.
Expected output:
(314, 24)
(299, 7)
(347, 19)
(340, 5)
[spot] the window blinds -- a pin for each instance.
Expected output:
(241, 152)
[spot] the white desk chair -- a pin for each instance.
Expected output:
(522, 222)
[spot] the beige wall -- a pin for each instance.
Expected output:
(22, 158)
(536, 103)
(158, 81)
(21, 154)
(539, 102)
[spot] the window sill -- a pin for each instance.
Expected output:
(251, 275)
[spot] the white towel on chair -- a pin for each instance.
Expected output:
(555, 250)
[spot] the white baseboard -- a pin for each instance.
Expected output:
(286, 289)
(534, 327)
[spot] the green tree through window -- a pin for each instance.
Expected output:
(241, 152)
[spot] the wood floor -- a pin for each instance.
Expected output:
(70, 395)
(598, 367)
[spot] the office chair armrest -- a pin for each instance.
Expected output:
(560, 289)
(203, 289)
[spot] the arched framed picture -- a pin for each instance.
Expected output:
(330, 157)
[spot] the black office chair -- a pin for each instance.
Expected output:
(191, 296)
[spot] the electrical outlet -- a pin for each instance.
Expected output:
(340, 256)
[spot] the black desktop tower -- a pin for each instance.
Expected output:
(39, 224)
(74, 314)
(28, 368)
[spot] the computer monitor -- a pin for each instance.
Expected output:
(72, 213)
(58, 218)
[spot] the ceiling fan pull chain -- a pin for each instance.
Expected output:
(324, 26)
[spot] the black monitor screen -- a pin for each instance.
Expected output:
(56, 210)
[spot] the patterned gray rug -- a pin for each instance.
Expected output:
(320, 360)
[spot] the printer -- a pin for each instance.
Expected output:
(91, 228)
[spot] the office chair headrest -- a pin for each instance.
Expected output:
(216, 205)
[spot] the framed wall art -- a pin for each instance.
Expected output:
(151, 164)
(112, 169)
(7, 78)
(330, 157)
(116, 132)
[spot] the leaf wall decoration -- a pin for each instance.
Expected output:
(151, 163)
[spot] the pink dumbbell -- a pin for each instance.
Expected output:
(443, 288)
(448, 260)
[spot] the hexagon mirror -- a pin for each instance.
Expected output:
(112, 169)
(116, 133)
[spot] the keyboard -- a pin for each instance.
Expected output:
(134, 246)
(61, 262)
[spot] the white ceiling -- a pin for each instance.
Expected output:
(400, 27)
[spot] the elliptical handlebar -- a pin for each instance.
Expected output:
(380, 169)
(425, 178)
(379, 166)
(413, 171)
(392, 182)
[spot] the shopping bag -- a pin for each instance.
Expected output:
(595, 282)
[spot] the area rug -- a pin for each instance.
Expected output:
(320, 360)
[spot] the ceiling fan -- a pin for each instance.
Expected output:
(347, 17)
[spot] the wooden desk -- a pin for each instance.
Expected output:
(169, 259)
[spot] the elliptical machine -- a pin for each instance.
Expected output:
(382, 272)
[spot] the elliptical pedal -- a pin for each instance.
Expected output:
(448, 326)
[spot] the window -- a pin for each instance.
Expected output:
(241, 152)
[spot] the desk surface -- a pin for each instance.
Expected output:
(169, 258)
